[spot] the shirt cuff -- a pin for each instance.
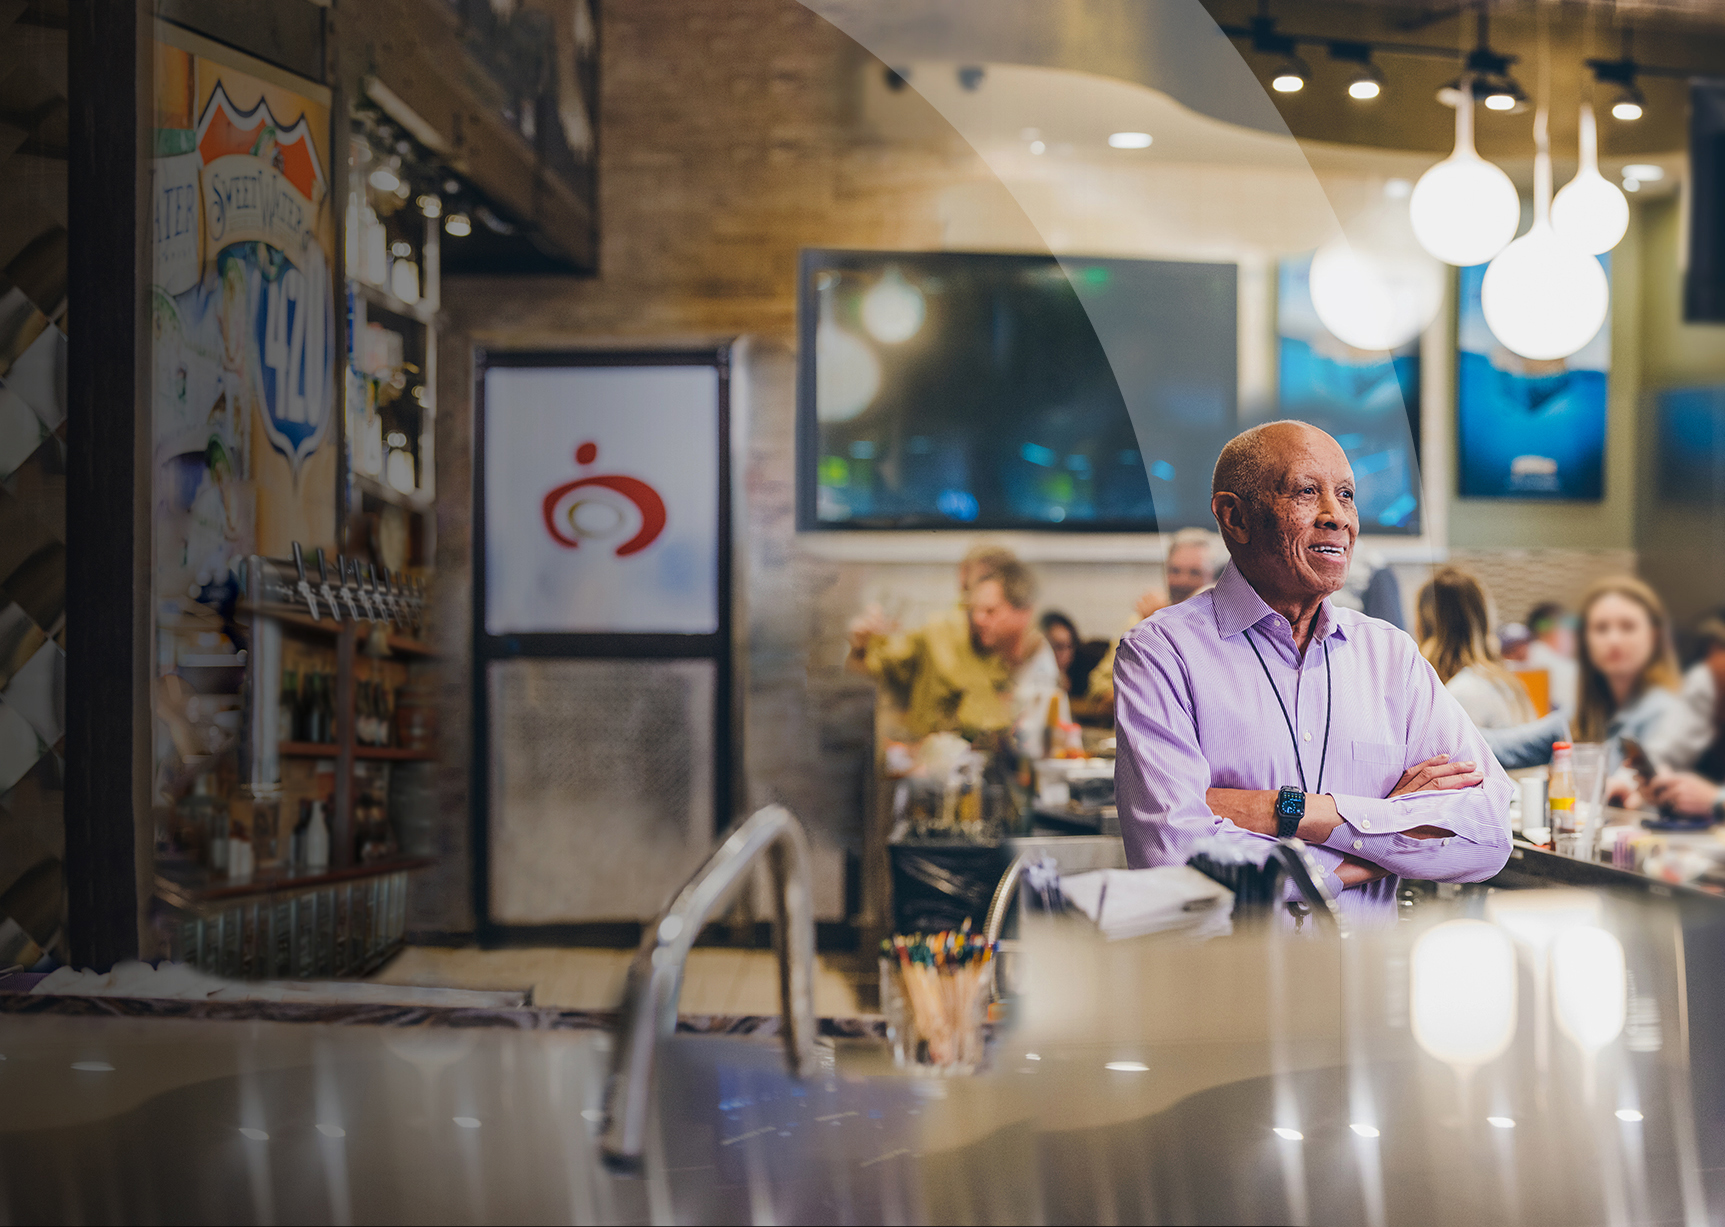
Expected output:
(1379, 815)
(1328, 862)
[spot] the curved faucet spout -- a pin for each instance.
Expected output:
(656, 976)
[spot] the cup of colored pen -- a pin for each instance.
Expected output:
(934, 991)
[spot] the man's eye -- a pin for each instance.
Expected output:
(1348, 494)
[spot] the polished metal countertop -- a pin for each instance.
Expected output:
(1418, 1074)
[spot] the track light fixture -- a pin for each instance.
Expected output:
(1291, 75)
(1365, 82)
(1291, 72)
(1630, 104)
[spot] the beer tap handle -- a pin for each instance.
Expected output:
(356, 592)
(304, 585)
(324, 588)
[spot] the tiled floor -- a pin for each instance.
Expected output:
(718, 980)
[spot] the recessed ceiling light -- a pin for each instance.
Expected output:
(1632, 185)
(1647, 172)
(1365, 89)
(1033, 1056)
(1289, 1135)
(1130, 140)
(467, 1122)
(1500, 1122)
(1500, 102)
(1629, 1115)
(1365, 1131)
(1038, 147)
(332, 1131)
(1128, 1067)
(256, 1135)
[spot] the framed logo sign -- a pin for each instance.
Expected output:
(602, 500)
(602, 628)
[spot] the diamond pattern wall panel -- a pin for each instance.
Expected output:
(33, 323)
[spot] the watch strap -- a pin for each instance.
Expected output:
(1290, 811)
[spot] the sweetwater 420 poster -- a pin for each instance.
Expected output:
(243, 314)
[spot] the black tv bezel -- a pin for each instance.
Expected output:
(813, 259)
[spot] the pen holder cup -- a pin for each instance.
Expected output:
(935, 1017)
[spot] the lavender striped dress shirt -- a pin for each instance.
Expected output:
(1194, 711)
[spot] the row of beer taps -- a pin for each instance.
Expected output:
(371, 595)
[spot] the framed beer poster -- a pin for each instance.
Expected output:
(243, 313)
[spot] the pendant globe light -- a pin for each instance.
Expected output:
(1464, 210)
(1374, 287)
(1543, 296)
(1590, 211)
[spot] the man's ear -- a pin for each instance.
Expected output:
(1230, 512)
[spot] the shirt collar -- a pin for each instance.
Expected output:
(1239, 607)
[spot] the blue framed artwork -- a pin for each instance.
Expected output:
(1368, 399)
(1692, 445)
(1527, 429)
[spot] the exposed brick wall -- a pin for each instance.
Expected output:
(730, 138)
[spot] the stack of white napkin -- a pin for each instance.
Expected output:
(1134, 902)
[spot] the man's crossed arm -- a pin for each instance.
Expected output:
(1254, 809)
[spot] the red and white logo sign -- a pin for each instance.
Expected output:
(603, 508)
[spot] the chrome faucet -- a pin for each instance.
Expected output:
(656, 976)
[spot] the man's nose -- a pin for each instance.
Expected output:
(1330, 510)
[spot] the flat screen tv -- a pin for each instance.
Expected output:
(983, 391)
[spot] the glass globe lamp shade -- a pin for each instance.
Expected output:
(1590, 211)
(1464, 210)
(1543, 296)
(1375, 288)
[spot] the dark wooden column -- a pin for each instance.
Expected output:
(107, 477)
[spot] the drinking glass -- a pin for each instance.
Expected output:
(1589, 761)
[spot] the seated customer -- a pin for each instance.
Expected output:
(1455, 636)
(1261, 709)
(1194, 557)
(1628, 681)
(1688, 744)
(983, 676)
(1075, 658)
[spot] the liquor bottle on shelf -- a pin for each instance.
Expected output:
(288, 706)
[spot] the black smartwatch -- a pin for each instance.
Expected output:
(1290, 809)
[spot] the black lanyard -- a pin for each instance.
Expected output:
(1329, 708)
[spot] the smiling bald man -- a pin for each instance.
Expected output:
(1259, 709)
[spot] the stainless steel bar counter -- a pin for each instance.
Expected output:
(1558, 1064)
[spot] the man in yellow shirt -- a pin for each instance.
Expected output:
(974, 670)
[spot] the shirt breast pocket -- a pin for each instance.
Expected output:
(1381, 754)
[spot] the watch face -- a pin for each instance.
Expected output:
(1291, 804)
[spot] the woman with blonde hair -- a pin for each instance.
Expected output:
(1453, 625)
(1629, 680)
(1455, 636)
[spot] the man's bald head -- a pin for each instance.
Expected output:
(1283, 496)
(1252, 461)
